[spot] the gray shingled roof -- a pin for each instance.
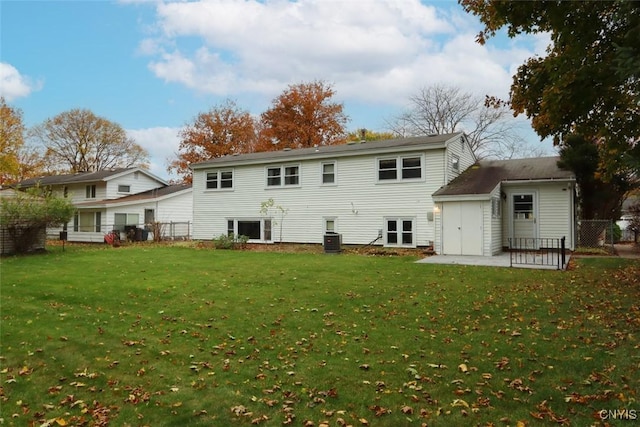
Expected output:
(436, 141)
(483, 177)
(146, 195)
(72, 178)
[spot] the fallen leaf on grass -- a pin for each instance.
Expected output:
(379, 410)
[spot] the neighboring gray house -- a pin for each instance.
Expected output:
(495, 200)
(117, 199)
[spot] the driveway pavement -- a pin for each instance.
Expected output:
(627, 250)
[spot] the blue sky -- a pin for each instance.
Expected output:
(152, 66)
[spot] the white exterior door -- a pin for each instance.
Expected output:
(462, 228)
(524, 215)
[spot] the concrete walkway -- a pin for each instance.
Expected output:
(627, 250)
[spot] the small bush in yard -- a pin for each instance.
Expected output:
(230, 241)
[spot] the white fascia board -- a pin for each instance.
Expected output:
(538, 181)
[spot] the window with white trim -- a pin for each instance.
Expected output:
(90, 191)
(124, 188)
(328, 173)
(455, 163)
(283, 175)
(87, 222)
(219, 180)
(256, 229)
(291, 175)
(400, 232)
(122, 220)
(400, 168)
(330, 224)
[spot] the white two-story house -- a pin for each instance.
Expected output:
(378, 192)
(119, 199)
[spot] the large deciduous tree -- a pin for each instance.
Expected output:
(79, 141)
(224, 129)
(599, 197)
(303, 116)
(11, 141)
(440, 109)
(588, 83)
(19, 160)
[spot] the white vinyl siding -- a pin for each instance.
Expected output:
(458, 153)
(142, 183)
(358, 203)
(493, 241)
(554, 210)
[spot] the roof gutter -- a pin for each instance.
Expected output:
(537, 181)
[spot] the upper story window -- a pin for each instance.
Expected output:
(124, 188)
(288, 175)
(411, 167)
(455, 163)
(291, 175)
(90, 191)
(328, 173)
(400, 168)
(217, 180)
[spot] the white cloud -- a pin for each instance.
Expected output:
(263, 46)
(14, 85)
(374, 52)
(161, 143)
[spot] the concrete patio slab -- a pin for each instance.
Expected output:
(501, 260)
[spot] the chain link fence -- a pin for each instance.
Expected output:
(596, 234)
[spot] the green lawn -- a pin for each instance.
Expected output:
(161, 336)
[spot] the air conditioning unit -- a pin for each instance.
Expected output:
(332, 243)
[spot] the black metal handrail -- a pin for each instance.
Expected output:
(538, 251)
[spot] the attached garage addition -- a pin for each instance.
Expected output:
(495, 200)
